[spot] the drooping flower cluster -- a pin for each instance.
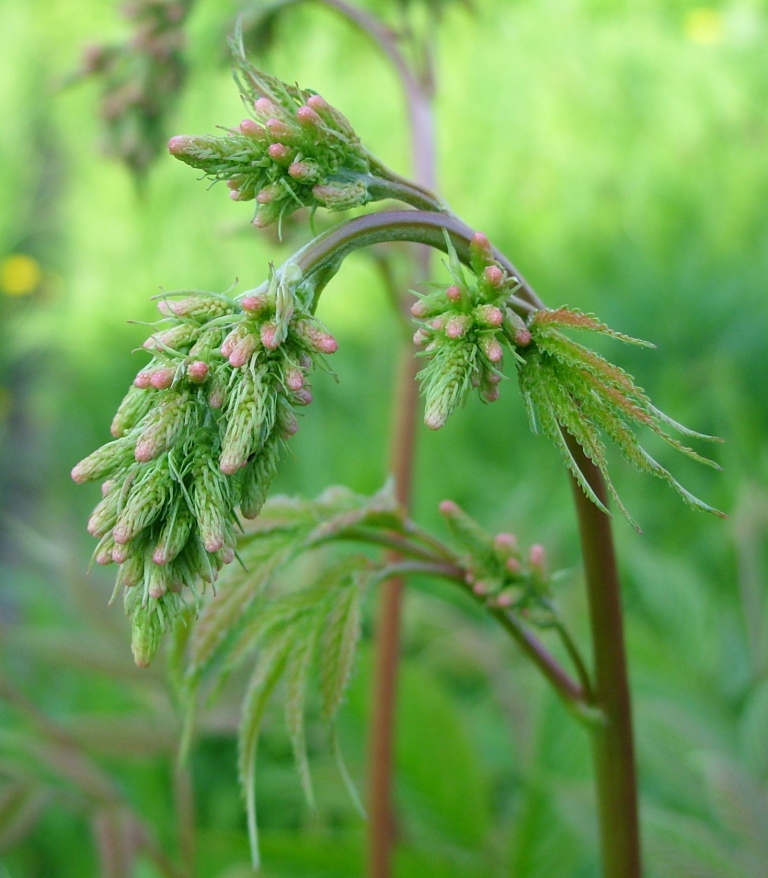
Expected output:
(141, 79)
(296, 150)
(465, 329)
(197, 437)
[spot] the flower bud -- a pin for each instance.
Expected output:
(266, 108)
(313, 337)
(480, 252)
(197, 371)
(294, 378)
(453, 293)
(308, 117)
(491, 348)
(494, 276)
(252, 129)
(304, 171)
(457, 325)
(270, 194)
(162, 378)
(489, 315)
(143, 380)
(280, 153)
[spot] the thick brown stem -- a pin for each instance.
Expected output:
(612, 742)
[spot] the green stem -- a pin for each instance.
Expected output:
(612, 742)
(320, 259)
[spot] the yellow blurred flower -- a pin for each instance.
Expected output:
(704, 26)
(20, 275)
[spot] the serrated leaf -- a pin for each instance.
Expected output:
(265, 677)
(297, 674)
(338, 648)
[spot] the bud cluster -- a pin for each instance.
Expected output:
(295, 150)
(499, 572)
(140, 79)
(197, 438)
(464, 330)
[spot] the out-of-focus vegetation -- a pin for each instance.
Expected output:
(617, 151)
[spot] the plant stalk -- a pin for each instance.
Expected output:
(612, 741)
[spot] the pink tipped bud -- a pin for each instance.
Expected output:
(216, 398)
(237, 195)
(279, 152)
(537, 557)
(294, 379)
(146, 449)
(157, 589)
(270, 194)
(229, 343)
(504, 600)
(160, 556)
(121, 534)
(269, 336)
(107, 486)
(523, 338)
(420, 337)
(481, 242)
(307, 116)
(438, 323)
(254, 303)
(229, 467)
(489, 315)
(180, 144)
(279, 130)
(143, 380)
(453, 293)
(318, 103)
(303, 396)
(252, 129)
(242, 351)
(494, 275)
(513, 566)
(103, 556)
(197, 371)
(480, 588)
(491, 394)
(492, 349)
(505, 543)
(458, 325)
(304, 172)
(420, 309)
(162, 378)
(213, 544)
(120, 553)
(448, 508)
(289, 426)
(265, 107)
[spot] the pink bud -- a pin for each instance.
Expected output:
(157, 589)
(213, 544)
(490, 315)
(104, 556)
(480, 588)
(252, 129)
(491, 394)
(229, 343)
(419, 309)
(144, 452)
(230, 467)
(504, 600)
(453, 293)
(121, 535)
(178, 145)
(237, 195)
(279, 130)
(265, 107)
(494, 275)
(513, 566)
(420, 337)
(294, 379)
(143, 380)
(289, 426)
(438, 323)
(537, 556)
(254, 303)
(269, 193)
(448, 508)
(505, 542)
(107, 486)
(242, 351)
(159, 556)
(279, 152)
(523, 338)
(307, 116)
(162, 378)
(216, 398)
(197, 371)
(303, 396)
(120, 553)
(481, 242)
(302, 171)
(456, 326)
(492, 349)
(269, 336)
(319, 103)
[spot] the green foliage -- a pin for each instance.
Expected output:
(568, 387)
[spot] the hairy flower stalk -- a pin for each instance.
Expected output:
(197, 440)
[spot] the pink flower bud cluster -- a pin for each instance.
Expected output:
(197, 439)
(498, 571)
(297, 150)
(470, 324)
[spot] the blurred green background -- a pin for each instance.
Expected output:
(618, 152)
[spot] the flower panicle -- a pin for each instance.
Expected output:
(464, 331)
(197, 441)
(294, 150)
